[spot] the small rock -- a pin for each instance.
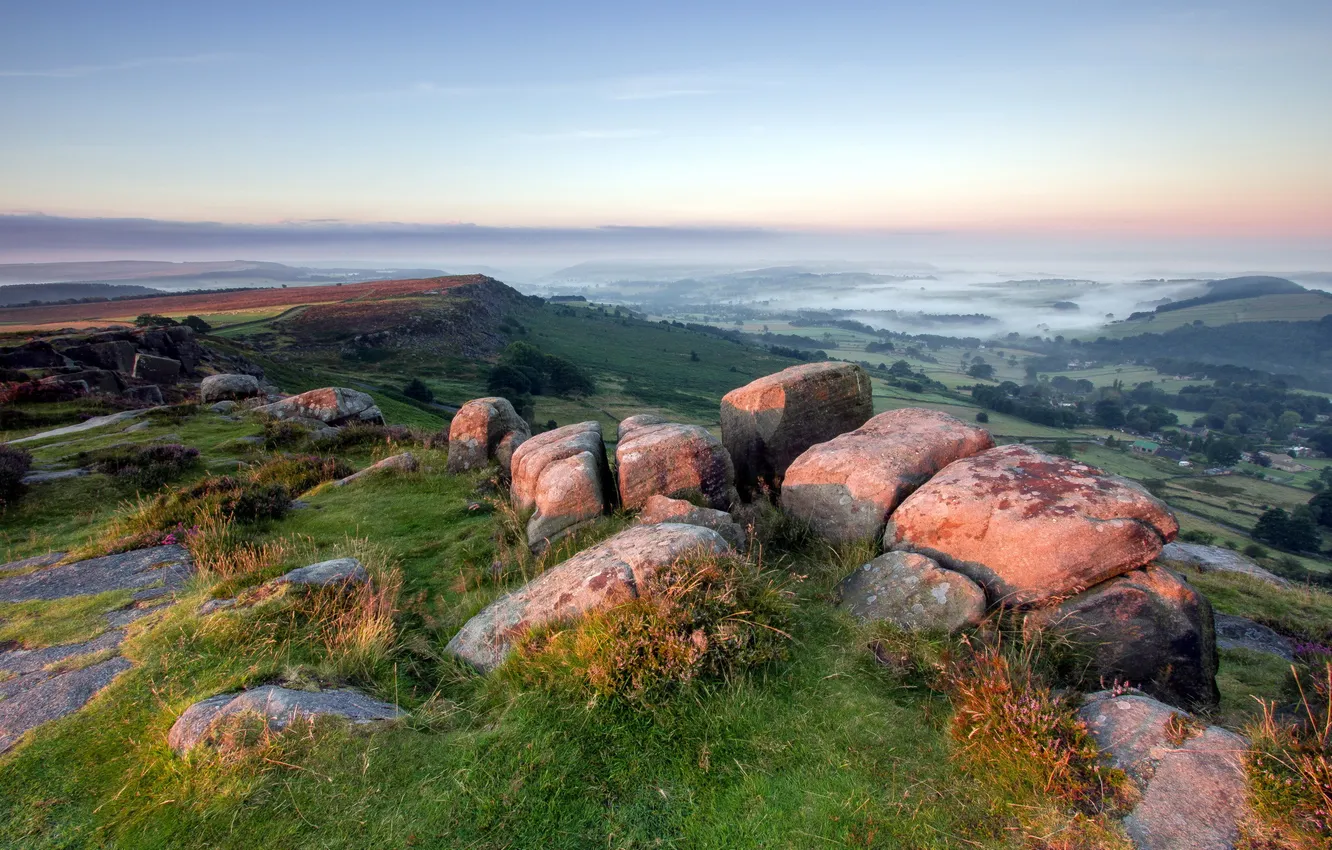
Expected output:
(278, 707)
(330, 406)
(405, 462)
(218, 387)
(214, 605)
(223, 407)
(325, 573)
(564, 478)
(44, 476)
(167, 566)
(912, 592)
(1242, 633)
(1209, 559)
(673, 461)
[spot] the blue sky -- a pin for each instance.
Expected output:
(1211, 119)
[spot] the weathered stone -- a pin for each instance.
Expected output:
(159, 370)
(232, 387)
(372, 415)
(116, 355)
(1030, 527)
(168, 567)
(596, 578)
(661, 509)
(477, 430)
(1209, 559)
(768, 423)
(223, 407)
(44, 476)
(212, 606)
(52, 697)
(1190, 776)
(912, 592)
(330, 405)
(276, 708)
(1242, 633)
(629, 423)
(507, 445)
(150, 394)
(564, 477)
(674, 460)
(405, 462)
(326, 573)
(1147, 628)
(35, 354)
(847, 487)
(96, 380)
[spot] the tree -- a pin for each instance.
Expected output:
(1285, 423)
(1295, 532)
(1321, 507)
(984, 371)
(982, 417)
(1108, 413)
(198, 324)
(693, 355)
(149, 320)
(1223, 453)
(416, 389)
(1062, 447)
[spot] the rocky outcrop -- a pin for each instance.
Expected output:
(331, 405)
(149, 394)
(228, 388)
(847, 487)
(117, 355)
(768, 423)
(405, 462)
(638, 421)
(1217, 559)
(913, 593)
(563, 477)
(159, 370)
(596, 578)
(1147, 628)
(660, 509)
(277, 708)
(484, 429)
(34, 354)
(1030, 527)
(674, 460)
(1190, 776)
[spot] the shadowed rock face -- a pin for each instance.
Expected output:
(277, 708)
(564, 477)
(768, 423)
(330, 405)
(660, 509)
(846, 488)
(674, 460)
(912, 592)
(1030, 527)
(600, 577)
(159, 370)
(1192, 786)
(1146, 627)
(479, 428)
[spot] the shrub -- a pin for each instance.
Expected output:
(14, 464)
(982, 417)
(1253, 550)
(299, 473)
(360, 435)
(150, 320)
(702, 619)
(416, 389)
(281, 434)
(198, 324)
(233, 499)
(1194, 535)
(147, 467)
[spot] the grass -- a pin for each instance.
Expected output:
(41, 623)
(1301, 612)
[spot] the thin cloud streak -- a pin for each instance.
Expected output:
(588, 135)
(73, 71)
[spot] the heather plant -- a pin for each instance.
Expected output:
(299, 473)
(282, 434)
(146, 467)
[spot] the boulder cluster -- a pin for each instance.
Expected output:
(965, 528)
(138, 364)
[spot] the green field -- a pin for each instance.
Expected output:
(1295, 307)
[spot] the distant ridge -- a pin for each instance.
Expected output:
(1236, 288)
(20, 294)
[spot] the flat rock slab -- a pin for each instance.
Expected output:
(278, 707)
(596, 578)
(87, 425)
(912, 592)
(1191, 776)
(406, 462)
(35, 562)
(325, 573)
(1242, 633)
(1031, 527)
(1218, 559)
(168, 567)
(44, 476)
(54, 697)
(24, 661)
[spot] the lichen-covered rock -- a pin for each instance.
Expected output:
(674, 460)
(276, 708)
(661, 509)
(1147, 628)
(846, 488)
(912, 592)
(159, 370)
(326, 574)
(1190, 776)
(479, 428)
(564, 477)
(596, 578)
(1030, 527)
(768, 423)
(330, 405)
(1209, 559)
(629, 423)
(228, 387)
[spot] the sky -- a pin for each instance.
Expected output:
(1118, 121)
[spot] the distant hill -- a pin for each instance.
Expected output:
(1235, 288)
(198, 275)
(1228, 302)
(19, 294)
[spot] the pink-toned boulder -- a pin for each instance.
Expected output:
(1030, 527)
(1147, 628)
(330, 405)
(564, 478)
(768, 423)
(660, 509)
(846, 488)
(594, 579)
(674, 460)
(479, 428)
(638, 420)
